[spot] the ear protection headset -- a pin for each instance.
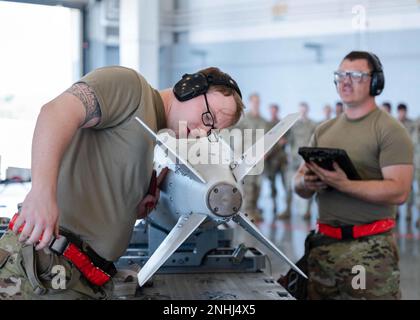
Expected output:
(377, 83)
(193, 85)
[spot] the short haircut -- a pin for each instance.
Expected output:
(253, 94)
(226, 91)
(304, 104)
(387, 104)
(402, 106)
(361, 55)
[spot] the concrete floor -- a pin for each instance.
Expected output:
(290, 235)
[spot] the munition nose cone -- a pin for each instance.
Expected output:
(224, 200)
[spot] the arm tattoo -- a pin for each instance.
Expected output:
(89, 101)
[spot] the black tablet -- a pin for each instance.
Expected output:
(324, 157)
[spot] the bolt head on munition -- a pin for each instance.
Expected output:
(224, 200)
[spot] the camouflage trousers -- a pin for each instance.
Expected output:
(271, 176)
(414, 197)
(17, 274)
(417, 181)
(251, 189)
(365, 268)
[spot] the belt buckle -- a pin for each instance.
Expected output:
(59, 245)
(347, 232)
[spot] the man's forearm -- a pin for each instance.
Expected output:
(375, 191)
(53, 133)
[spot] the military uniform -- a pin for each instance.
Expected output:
(276, 162)
(26, 274)
(333, 268)
(252, 182)
(98, 190)
(372, 142)
(298, 136)
(410, 126)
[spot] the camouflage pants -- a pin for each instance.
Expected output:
(366, 268)
(414, 197)
(417, 181)
(251, 188)
(271, 175)
(15, 283)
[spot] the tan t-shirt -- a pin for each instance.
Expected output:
(106, 171)
(372, 142)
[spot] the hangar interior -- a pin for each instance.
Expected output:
(285, 51)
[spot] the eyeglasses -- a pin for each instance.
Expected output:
(208, 121)
(356, 76)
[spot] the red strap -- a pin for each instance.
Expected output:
(329, 231)
(376, 227)
(359, 231)
(85, 266)
(12, 223)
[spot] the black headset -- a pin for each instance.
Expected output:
(193, 85)
(377, 83)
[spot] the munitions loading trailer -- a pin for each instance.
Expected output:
(206, 266)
